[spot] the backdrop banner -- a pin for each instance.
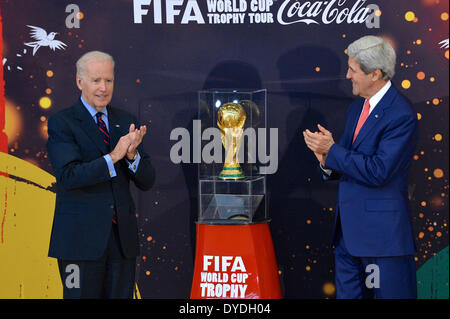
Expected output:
(166, 51)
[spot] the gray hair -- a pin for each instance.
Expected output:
(374, 53)
(96, 56)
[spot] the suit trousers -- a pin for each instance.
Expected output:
(111, 276)
(373, 277)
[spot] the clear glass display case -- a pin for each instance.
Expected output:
(226, 198)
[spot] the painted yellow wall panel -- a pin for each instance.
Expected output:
(23, 169)
(26, 216)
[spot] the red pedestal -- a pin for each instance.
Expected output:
(235, 261)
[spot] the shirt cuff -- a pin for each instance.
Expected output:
(325, 170)
(109, 162)
(133, 166)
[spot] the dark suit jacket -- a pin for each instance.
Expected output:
(86, 195)
(373, 203)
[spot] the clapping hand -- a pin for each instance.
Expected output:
(135, 138)
(319, 142)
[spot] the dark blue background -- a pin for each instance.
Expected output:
(160, 68)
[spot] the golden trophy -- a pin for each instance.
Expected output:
(231, 119)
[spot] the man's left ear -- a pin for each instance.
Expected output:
(377, 75)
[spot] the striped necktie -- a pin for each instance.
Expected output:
(103, 129)
(106, 138)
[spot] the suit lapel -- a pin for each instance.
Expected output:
(115, 130)
(89, 126)
(375, 116)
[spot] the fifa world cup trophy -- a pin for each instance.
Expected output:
(231, 119)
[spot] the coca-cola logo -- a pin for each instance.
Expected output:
(325, 12)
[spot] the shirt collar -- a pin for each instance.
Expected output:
(374, 100)
(92, 110)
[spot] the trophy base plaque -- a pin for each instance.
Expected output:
(235, 262)
(234, 257)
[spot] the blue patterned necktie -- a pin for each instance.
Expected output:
(106, 138)
(103, 129)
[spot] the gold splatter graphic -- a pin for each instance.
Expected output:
(406, 84)
(329, 289)
(45, 102)
(43, 130)
(13, 122)
(410, 16)
(438, 173)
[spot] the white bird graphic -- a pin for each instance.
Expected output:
(44, 39)
(444, 44)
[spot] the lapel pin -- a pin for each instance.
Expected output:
(117, 125)
(376, 116)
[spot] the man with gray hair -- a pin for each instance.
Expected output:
(373, 236)
(96, 151)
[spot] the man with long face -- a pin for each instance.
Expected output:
(373, 233)
(96, 151)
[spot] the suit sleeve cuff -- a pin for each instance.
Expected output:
(325, 170)
(335, 153)
(133, 166)
(109, 162)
